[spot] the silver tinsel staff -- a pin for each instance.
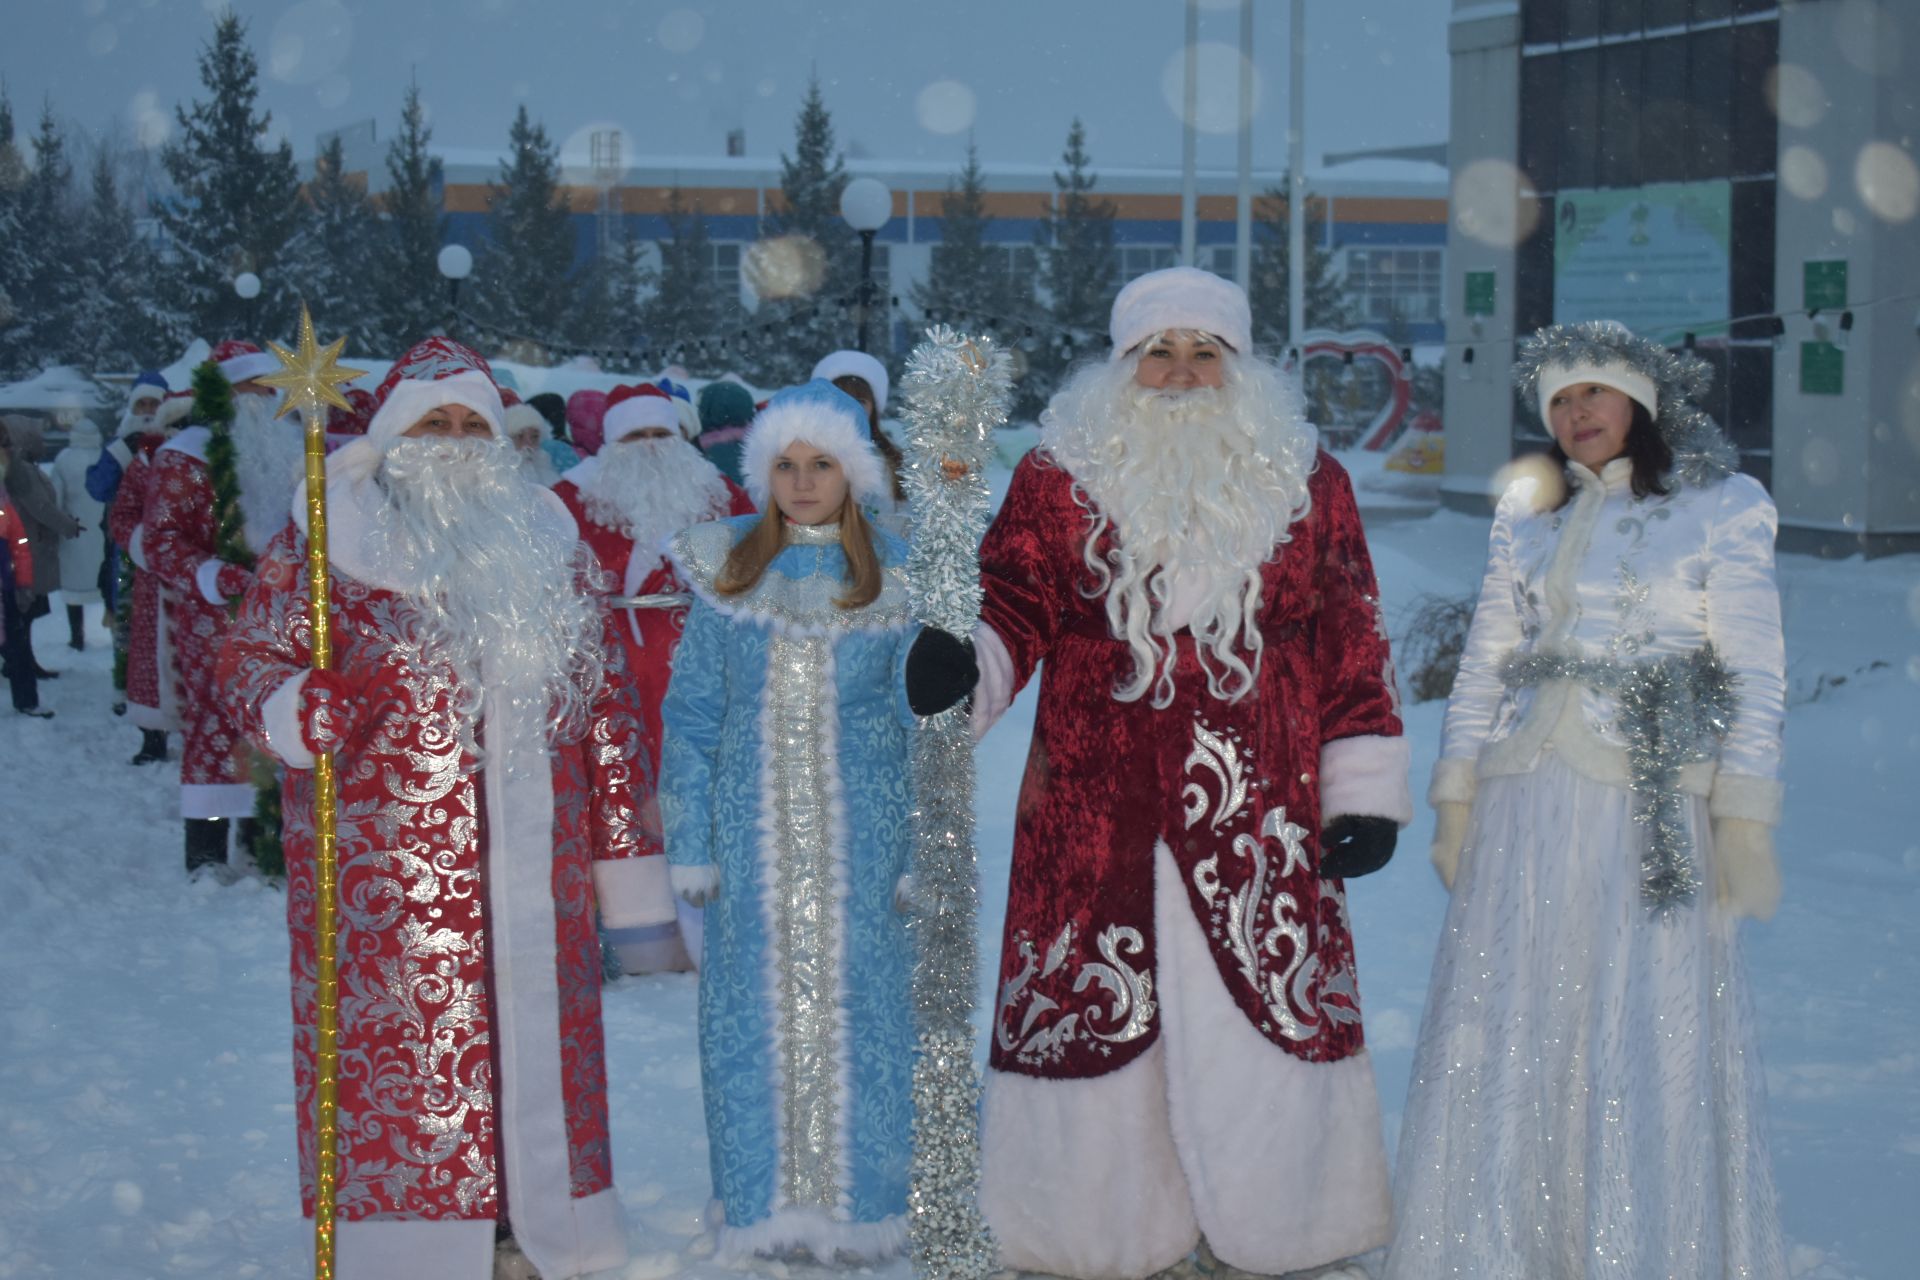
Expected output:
(956, 394)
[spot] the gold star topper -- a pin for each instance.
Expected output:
(309, 374)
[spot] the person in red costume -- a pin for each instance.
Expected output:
(646, 484)
(489, 783)
(180, 542)
(152, 698)
(1177, 1057)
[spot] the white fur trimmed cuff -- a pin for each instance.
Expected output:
(1366, 776)
(1454, 781)
(136, 549)
(280, 724)
(633, 892)
(207, 578)
(994, 694)
(1741, 795)
(696, 884)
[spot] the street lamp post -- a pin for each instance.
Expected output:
(246, 286)
(456, 264)
(866, 204)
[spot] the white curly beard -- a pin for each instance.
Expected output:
(269, 456)
(496, 575)
(650, 490)
(1200, 487)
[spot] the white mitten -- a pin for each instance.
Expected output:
(1449, 835)
(1746, 868)
(696, 886)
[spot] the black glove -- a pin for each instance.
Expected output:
(1352, 846)
(940, 671)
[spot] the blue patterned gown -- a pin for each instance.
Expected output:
(784, 771)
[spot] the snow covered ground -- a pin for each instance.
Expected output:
(146, 1123)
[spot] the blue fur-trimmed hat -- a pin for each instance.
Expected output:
(822, 415)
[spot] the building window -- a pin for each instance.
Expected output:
(726, 269)
(1385, 286)
(1138, 259)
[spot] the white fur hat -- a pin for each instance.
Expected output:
(241, 361)
(522, 415)
(434, 372)
(1181, 298)
(822, 415)
(857, 364)
(1608, 371)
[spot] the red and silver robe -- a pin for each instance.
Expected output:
(1177, 1045)
(472, 1052)
(151, 699)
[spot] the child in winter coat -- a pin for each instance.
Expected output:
(785, 799)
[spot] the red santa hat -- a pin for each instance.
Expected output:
(436, 371)
(242, 361)
(351, 421)
(1181, 298)
(856, 364)
(632, 409)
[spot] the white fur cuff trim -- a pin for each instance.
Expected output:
(701, 881)
(207, 578)
(1455, 780)
(280, 724)
(633, 892)
(136, 550)
(1366, 776)
(1740, 795)
(994, 693)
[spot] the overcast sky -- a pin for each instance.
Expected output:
(904, 79)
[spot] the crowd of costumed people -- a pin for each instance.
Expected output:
(630, 681)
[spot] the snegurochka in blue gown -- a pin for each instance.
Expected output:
(785, 796)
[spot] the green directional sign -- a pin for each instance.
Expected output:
(1823, 369)
(1479, 293)
(1824, 284)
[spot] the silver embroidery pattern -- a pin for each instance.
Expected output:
(1237, 918)
(804, 925)
(1127, 1015)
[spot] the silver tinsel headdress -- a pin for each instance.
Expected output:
(1701, 451)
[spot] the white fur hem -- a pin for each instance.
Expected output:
(216, 800)
(1236, 1099)
(1455, 779)
(633, 892)
(207, 578)
(994, 694)
(1740, 795)
(1366, 776)
(810, 1229)
(280, 724)
(701, 881)
(411, 1248)
(1080, 1177)
(141, 716)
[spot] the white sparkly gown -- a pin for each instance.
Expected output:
(1586, 1100)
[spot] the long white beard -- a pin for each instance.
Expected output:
(1200, 487)
(134, 424)
(268, 458)
(537, 467)
(650, 490)
(497, 579)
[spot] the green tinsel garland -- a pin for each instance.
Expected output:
(213, 409)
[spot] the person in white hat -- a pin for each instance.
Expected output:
(1586, 1094)
(865, 379)
(490, 780)
(1177, 1051)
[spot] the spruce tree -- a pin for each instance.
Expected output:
(408, 294)
(48, 310)
(524, 279)
(237, 201)
(808, 326)
(324, 263)
(970, 275)
(16, 251)
(684, 312)
(1269, 281)
(1078, 271)
(114, 329)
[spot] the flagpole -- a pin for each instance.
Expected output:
(309, 376)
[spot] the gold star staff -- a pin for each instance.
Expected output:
(310, 376)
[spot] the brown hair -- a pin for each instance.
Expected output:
(889, 451)
(1645, 447)
(747, 562)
